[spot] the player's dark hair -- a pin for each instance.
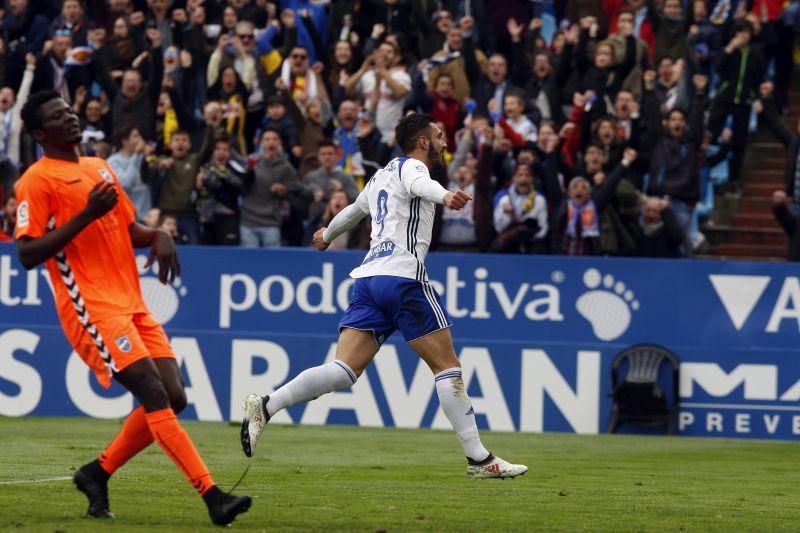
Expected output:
(180, 132)
(410, 128)
(30, 111)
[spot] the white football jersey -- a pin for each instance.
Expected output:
(402, 223)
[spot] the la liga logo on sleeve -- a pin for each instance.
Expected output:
(105, 175)
(23, 215)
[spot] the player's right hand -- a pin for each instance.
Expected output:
(457, 200)
(102, 199)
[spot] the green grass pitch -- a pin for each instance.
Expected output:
(361, 479)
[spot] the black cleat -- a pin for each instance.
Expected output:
(244, 437)
(96, 490)
(224, 508)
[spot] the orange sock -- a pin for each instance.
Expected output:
(178, 446)
(132, 438)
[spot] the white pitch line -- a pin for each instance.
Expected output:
(23, 481)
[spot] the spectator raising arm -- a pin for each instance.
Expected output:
(603, 195)
(471, 66)
(398, 89)
(156, 77)
(352, 81)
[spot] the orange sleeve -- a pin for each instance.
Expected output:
(124, 208)
(34, 207)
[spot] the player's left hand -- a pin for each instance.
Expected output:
(164, 251)
(318, 241)
(457, 200)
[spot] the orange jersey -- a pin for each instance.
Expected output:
(99, 259)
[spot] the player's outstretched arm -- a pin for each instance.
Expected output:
(456, 200)
(162, 249)
(432, 191)
(347, 219)
(102, 199)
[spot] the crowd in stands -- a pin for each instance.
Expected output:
(580, 126)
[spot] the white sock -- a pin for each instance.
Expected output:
(458, 409)
(310, 384)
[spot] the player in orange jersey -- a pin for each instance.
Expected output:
(72, 216)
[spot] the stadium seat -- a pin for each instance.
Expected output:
(639, 398)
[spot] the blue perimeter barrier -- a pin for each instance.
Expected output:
(535, 335)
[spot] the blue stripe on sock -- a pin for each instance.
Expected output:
(349, 372)
(448, 376)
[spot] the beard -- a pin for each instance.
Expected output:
(435, 160)
(436, 167)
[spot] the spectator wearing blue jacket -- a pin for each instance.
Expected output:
(318, 17)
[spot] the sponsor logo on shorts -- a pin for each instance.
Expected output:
(23, 215)
(124, 344)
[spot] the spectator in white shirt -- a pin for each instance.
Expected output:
(458, 227)
(514, 110)
(11, 127)
(520, 216)
(383, 84)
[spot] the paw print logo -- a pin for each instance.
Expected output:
(607, 305)
(163, 301)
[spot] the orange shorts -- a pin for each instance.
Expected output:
(128, 338)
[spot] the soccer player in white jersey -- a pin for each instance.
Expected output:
(391, 292)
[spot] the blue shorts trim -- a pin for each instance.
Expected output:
(384, 304)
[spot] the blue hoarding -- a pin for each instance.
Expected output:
(535, 335)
